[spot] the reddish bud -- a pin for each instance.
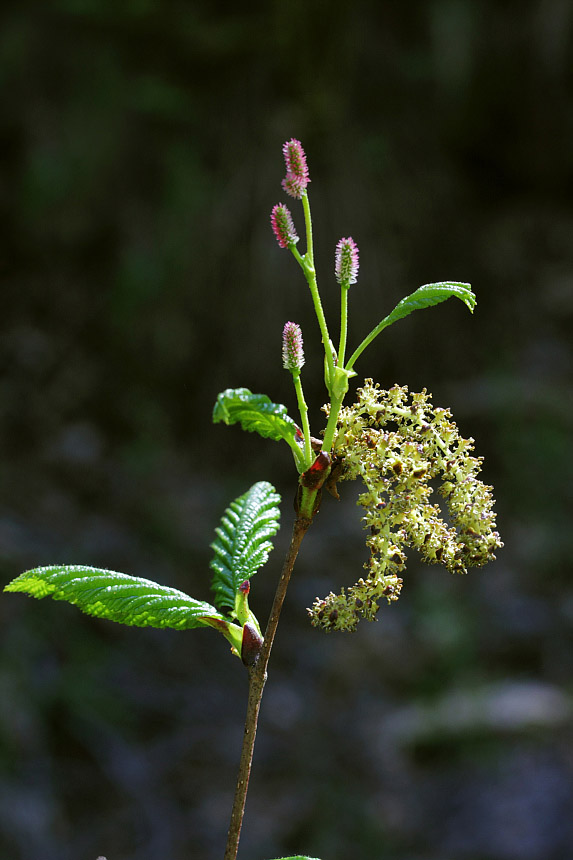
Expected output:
(252, 644)
(314, 477)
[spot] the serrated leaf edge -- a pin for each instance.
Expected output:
(238, 552)
(89, 602)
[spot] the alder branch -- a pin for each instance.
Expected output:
(257, 680)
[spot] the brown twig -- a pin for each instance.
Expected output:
(257, 680)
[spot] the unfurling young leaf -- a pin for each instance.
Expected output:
(117, 597)
(257, 413)
(242, 544)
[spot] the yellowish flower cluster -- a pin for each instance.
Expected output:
(397, 442)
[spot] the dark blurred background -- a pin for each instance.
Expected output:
(140, 157)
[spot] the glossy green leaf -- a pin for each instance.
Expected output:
(428, 295)
(423, 297)
(242, 544)
(258, 414)
(116, 596)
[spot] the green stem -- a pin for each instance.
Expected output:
(299, 258)
(308, 225)
(307, 504)
(335, 405)
(303, 409)
(366, 342)
(343, 324)
(307, 263)
(322, 323)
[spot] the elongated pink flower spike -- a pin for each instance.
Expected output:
(293, 354)
(283, 227)
(346, 262)
(297, 177)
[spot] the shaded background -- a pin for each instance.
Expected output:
(141, 155)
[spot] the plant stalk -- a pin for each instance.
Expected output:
(307, 265)
(329, 433)
(257, 680)
(343, 324)
(303, 410)
(366, 342)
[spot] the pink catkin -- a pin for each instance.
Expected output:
(297, 177)
(283, 227)
(293, 354)
(346, 262)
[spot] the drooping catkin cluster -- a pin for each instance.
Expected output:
(397, 442)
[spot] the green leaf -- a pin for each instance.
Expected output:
(257, 413)
(116, 596)
(423, 297)
(242, 544)
(428, 295)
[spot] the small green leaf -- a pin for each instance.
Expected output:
(428, 295)
(117, 597)
(257, 413)
(423, 297)
(242, 544)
